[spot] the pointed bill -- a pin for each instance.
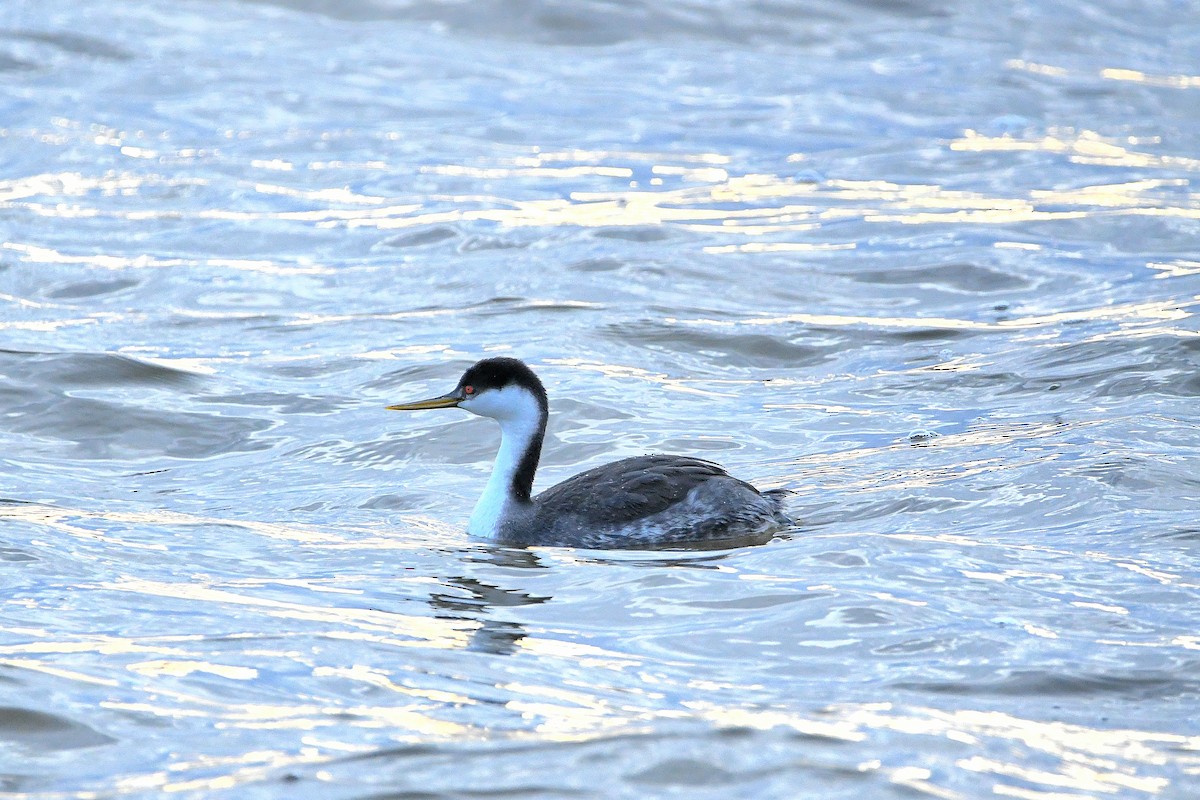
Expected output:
(445, 401)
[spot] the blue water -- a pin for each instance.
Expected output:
(932, 268)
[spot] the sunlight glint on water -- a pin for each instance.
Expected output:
(932, 269)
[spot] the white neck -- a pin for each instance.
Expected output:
(520, 420)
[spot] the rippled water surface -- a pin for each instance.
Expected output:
(932, 267)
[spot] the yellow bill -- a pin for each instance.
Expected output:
(445, 401)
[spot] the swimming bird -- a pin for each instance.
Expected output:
(641, 502)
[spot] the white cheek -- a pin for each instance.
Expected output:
(484, 404)
(501, 404)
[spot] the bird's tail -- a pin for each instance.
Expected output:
(777, 498)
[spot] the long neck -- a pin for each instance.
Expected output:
(517, 460)
(511, 483)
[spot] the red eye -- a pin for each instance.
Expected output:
(468, 390)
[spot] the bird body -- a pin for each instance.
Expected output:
(641, 502)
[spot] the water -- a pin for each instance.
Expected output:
(933, 268)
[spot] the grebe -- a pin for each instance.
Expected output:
(641, 502)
